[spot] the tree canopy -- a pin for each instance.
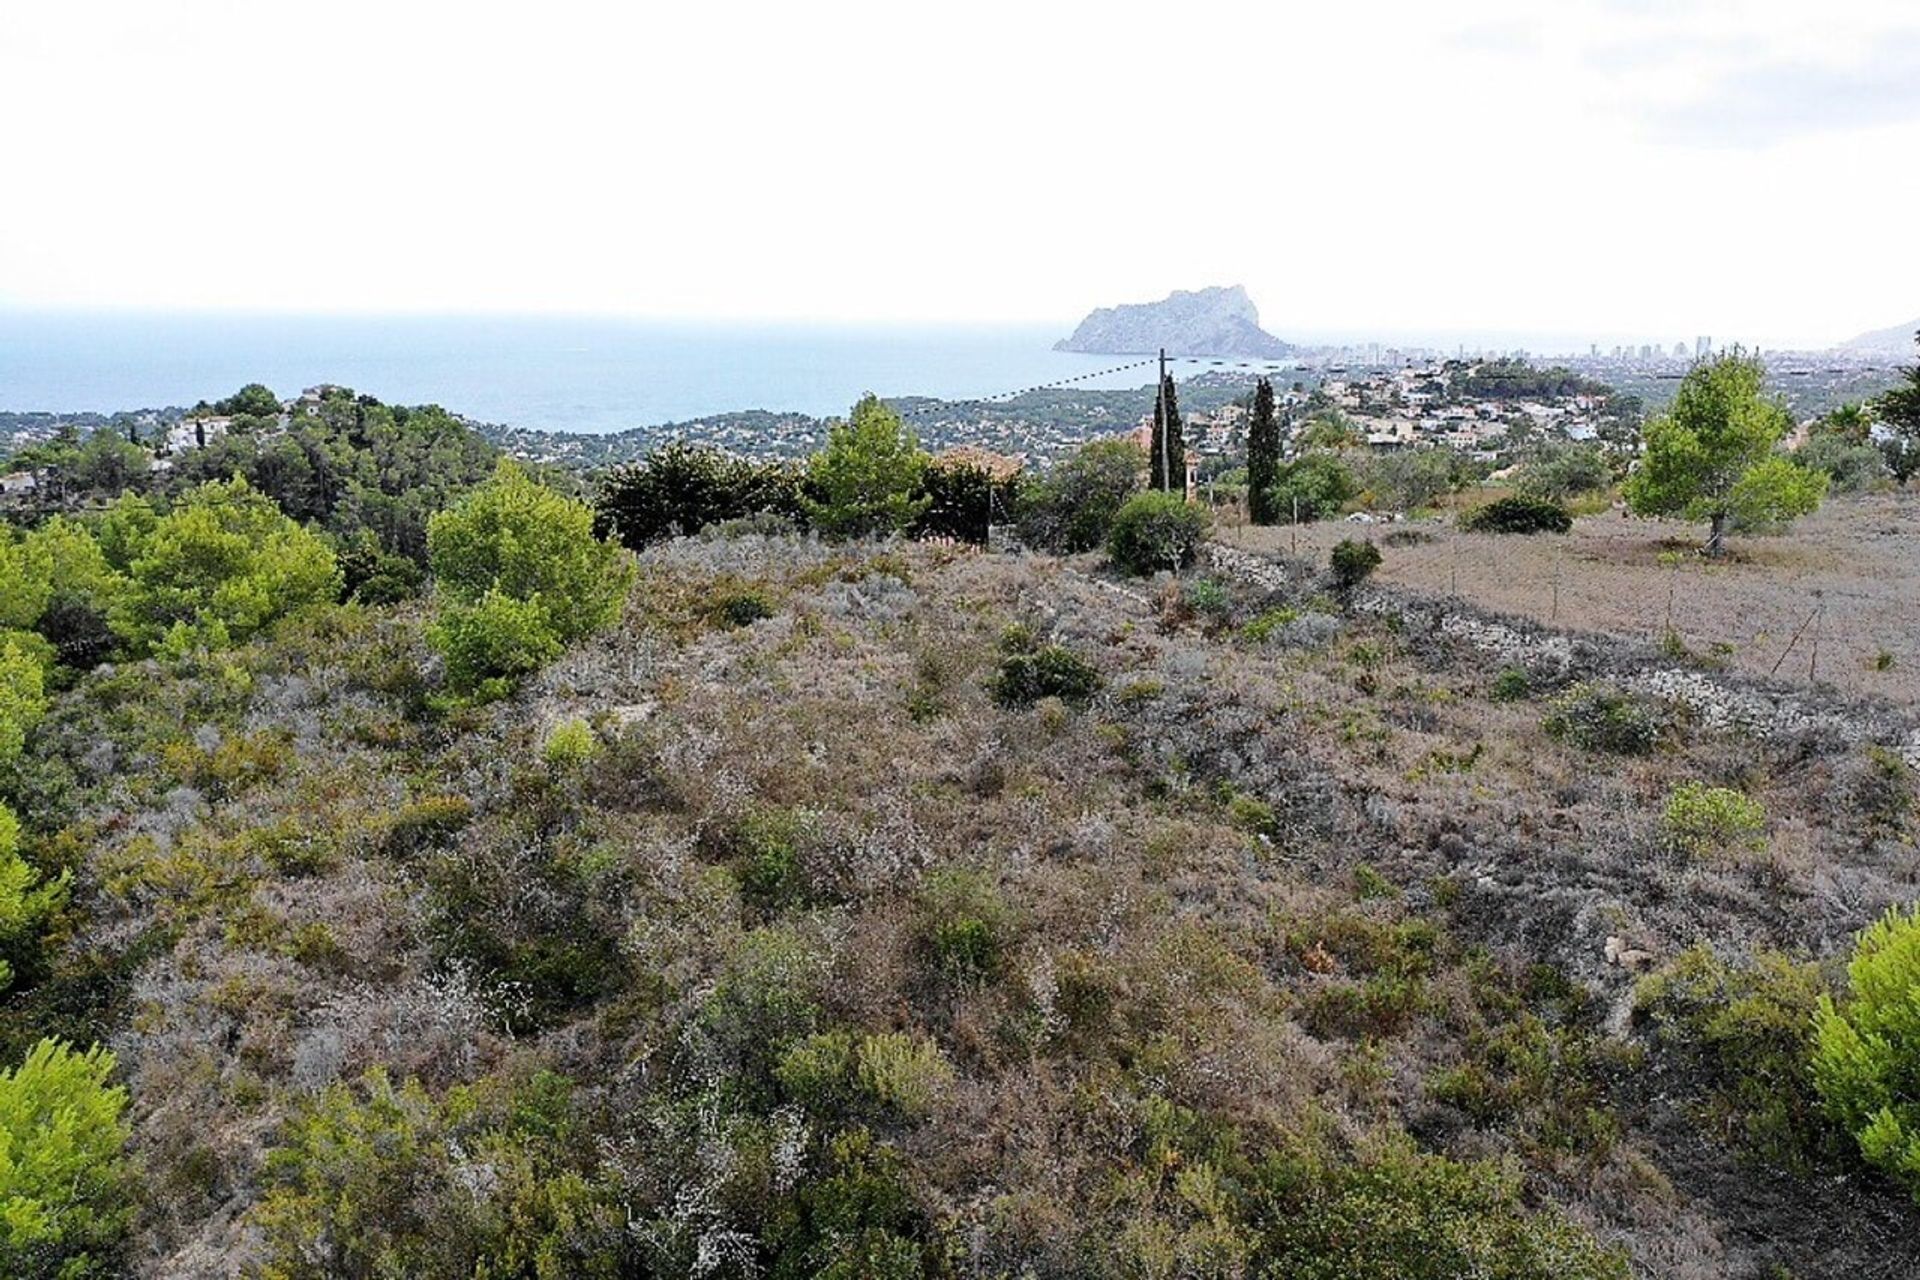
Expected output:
(1712, 455)
(866, 480)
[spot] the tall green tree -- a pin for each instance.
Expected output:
(65, 1193)
(866, 480)
(1711, 456)
(1167, 450)
(1263, 455)
(1900, 410)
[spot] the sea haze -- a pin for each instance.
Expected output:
(556, 373)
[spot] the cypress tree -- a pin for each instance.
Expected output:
(1166, 431)
(1263, 455)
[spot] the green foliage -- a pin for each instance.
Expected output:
(1700, 821)
(1512, 685)
(1849, 467)
(1866, 1053)
(1030, 671)
(906, 1074)
(1518, 515)
(217, 568)
(494, 1179)
(27, 904)
(963, 498)
(252, 400)
(1166, 444)
(65, 1195)
(1710, 457)
(966, 926)
(492, 642)
(1599, 717)
(1746, 1030)
(1899, 408)
(521, 574)
(865, 482)
(569, 745)
(1072, 507)
(1156, 531)
(1263, 456)
(1353, 561)
(1564, 472)
(1408, 478)
(22, 696)
(1313, 487)
(682, 489)
(1391, 1210)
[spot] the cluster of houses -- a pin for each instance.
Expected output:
(174, 437)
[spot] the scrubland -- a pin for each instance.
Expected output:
(1325, 936)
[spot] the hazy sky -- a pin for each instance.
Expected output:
(1744, 169)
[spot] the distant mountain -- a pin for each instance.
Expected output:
(1221, 321)
(1895, 341)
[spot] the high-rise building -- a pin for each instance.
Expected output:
(1702, 347)
(1679, 351)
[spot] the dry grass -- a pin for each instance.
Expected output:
(1846, 581)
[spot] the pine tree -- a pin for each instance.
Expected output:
(1263, 455)
(1167, 467)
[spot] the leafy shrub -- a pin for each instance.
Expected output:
(1560, 473)
(1598, 717)
(966, 926)
(218, 568)
(904, 1073)
(682, 489)
(866, 481)
(569, 744)
(1518, 514)
(1392, 1210)
(492, 642)
(65, 1194)
(1702, 821)
(1512, 685)
(515, 539)
(1030, 671)
(26, 904)
(492, 1179)
(1353, 561)
(22, 697)
(743, 608)
(1866, 1053)
(1072, 507)
(1746, 1029)
(1849, 467)
(1156, 531)
(964, 497)
(1313, 487)
(1880, 791)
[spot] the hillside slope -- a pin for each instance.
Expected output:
(815, 953)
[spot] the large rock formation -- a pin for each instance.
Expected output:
(1221, 321)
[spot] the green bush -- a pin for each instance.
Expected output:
(966, 926)
(1392, 1210)
(1700, 821)
(492, 642)
(1072, 507)
(1030, 671)
(867, 480)
(682, 489)
(1599, 717)
(517, 540)
(1313, 487)
(1518, 515)
(1353, 562)
(26, 904)
(1512, 685)
(569, 745)
(216, 569)
(23, 697)
(1746, 1029)
(65, 1193)
(1866, 1053)
(1156, 531)
(373, 1180)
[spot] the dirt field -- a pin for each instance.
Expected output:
(1837, 600)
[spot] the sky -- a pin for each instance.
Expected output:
(1666, 168)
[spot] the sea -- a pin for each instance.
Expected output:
(580, 374)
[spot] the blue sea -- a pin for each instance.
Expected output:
(555, 373)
